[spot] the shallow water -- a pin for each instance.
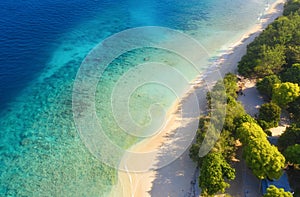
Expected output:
(42, 46)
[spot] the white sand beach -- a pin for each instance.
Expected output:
(178, 177)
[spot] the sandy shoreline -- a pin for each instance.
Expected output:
(153, 182)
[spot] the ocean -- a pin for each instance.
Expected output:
(42, 47)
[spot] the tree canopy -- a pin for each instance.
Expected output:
(292, 154)
(276, 47)
(271, 61)
(250, 130)
(269, 115)
(263, 158)
(215, 169)
(290, 137)
(292, 74)
(292, 7)
(294, 109)
(265, 86)
(285, 93)
(244, 118)
(274, 59)
(213, 172)
(273, 191)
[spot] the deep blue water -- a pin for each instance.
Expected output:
(29, 33)
(42, 44)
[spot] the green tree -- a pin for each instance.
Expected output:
(265, 86)
(269, 115)
(206, 133)
(293, 52)
(214, 166)
(290, 137)
(293, 108)
(277, 46)
(273, 191)
(194, 153)
(292, 74)
(292, 154)
(272, 60)
(225, 145)
(250, 130)
(285, 93)
(234, 109)
(263, 158)
(230, 83)
(238, 121)
(213, 172)
(291, 7)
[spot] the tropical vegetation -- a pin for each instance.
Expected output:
(273, 59)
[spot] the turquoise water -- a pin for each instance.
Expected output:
(42, 47)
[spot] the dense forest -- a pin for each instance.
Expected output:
(273, 59)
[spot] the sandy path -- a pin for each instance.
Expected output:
(175, 179)
(245, 183)
(251, 99)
